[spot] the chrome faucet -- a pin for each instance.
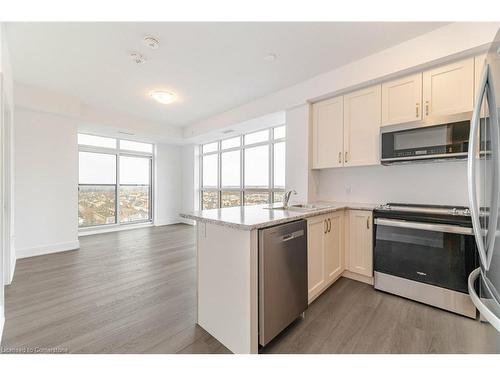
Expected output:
(286, 197)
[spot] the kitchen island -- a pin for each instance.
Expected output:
(227, 263)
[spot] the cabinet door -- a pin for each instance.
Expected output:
(362, 127)
(328, 133)
(334, 246)
(402, 100)
(360, 242)
(316, 231)
(449, 89)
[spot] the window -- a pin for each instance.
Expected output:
(114, 182)
(248, 169)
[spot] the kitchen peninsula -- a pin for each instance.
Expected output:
(227, 260)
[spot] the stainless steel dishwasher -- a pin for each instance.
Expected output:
(282, 277)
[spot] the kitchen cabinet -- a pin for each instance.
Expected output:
(449, 89)
(360, 247)
(328, 133)
(316, 231)
(334, 246)
(362, 126)
(325, 251)
(402, 100)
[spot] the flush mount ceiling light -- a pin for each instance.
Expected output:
(270, 57)
(152, 42)
(163, 97)
(137, 58)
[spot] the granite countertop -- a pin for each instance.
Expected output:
(261, 216)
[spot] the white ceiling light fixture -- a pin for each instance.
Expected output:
(163, 97)
(271, 57)
(138, 58)
(152, 42)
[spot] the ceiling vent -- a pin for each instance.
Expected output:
(138, 58)
(152, 42)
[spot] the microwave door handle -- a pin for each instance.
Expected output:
(495, 149)
(471, 167)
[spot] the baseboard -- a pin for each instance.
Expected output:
(187, 221)
(48, 249)
(166, 222)
(2, 323)
(12, 269)
(358, 277)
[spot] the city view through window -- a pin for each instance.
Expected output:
(114, 181)
(243, 170)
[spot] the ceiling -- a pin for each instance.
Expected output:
(213, 67)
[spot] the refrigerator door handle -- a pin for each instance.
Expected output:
(483, 309)
(471, 167)
(495, 149)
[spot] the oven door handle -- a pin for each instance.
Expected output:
(446, 228)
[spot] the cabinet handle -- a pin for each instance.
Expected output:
(427, 108)
(417, 109)
(340, 157)
(325, 230)
(345, 157)
(367, 223)
(329, 225)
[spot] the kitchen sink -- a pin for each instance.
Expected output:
(297, 207)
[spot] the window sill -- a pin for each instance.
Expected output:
(113, 228)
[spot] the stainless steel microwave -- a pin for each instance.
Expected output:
(445, 141)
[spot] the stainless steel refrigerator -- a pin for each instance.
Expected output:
(484, 188)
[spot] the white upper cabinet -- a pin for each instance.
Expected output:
(402, 100)
(449, 89)
(328, 133)
(362, 126)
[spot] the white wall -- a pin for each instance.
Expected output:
(190, 180)
(433, 183)
(46, 183)
(168, 189)
(297, 144)
(7, 255)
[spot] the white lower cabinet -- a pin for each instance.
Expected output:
(338, 244)
(316, 232)
(325, 251)
(360, 243)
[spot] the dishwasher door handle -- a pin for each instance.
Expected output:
(291, 236)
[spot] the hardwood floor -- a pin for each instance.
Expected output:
(352, 317)
(135, 292)
(123, 292)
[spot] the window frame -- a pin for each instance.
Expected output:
(117, 152)
(270, 190)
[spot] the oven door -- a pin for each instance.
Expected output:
(437, 254)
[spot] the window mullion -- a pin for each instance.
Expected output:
(117, 189)
(271, 166)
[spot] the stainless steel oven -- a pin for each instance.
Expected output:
(425, 254)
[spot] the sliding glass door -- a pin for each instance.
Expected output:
(135, 189)
(115, 181)
(97, 189)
